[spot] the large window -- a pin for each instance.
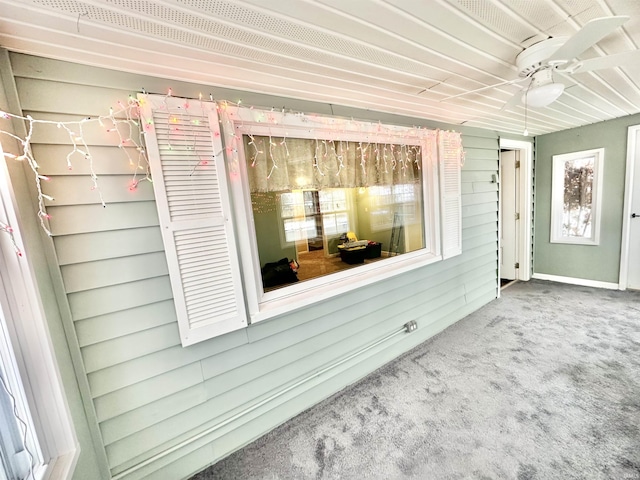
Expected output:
(576, 197)
(357, 199)
(247, 199)
(381, 194)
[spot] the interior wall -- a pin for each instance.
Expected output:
(365, 230)
(271, 242)
(144, 392)
(591, 262)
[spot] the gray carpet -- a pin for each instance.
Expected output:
(543, 383)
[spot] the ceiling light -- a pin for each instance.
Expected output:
(543, 95)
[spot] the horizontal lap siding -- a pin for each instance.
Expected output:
(149, 393)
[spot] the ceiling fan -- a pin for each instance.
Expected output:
(538, 62)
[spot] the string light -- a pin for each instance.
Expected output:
(398, 155)
(384, 158)
(112, 123)
(340, 158)
(257, 151)
(316, 163)
(7, 229)
(274, 165)
(283, 143)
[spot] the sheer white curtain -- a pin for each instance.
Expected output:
(278, 164)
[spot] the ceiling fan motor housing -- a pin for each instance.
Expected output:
(535, 57)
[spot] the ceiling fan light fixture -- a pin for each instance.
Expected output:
(543, 95)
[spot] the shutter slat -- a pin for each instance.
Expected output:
(216, 308)
(193, 205)
(203, 295)
(450, 156)
(213, 303)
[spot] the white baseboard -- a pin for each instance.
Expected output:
(576, 281)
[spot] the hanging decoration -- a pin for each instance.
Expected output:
(316, 164)
(8, 229)
(340, 151)
(262, 203)
(287, 150)
(123, 123)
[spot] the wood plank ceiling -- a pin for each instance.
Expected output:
(398, 56)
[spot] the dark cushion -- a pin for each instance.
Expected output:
(278, 273)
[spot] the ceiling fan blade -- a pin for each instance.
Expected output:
(608, 61)
(515, 100)
(481, 89)
(591, 33)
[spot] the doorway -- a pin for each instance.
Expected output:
(509, 216)
(514, 223)
(630, 248)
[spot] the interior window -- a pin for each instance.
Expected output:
(576, 197)
(320, 207)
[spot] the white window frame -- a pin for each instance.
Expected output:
(261, 305)
(557, 196)
(29, 356)
(334, 212)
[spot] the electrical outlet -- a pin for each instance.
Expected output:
(410, 326)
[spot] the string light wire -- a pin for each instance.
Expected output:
(126, 120)
(79, 146)
(23, 426)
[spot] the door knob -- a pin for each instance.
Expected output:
(634, 215)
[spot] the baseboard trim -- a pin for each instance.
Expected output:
(576, 281)
(265, 401)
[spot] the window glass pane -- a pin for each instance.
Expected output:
(329, 224)
(288, 203)
(299, 229)
(576, 197)
(342, 222)
(578, 187)
(372, 191)
(332, 200)
(16, 425)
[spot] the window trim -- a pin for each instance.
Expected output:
(35, 362)
(261, 305)
(557, 196)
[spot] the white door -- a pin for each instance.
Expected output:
(633, 259)
(508, 214)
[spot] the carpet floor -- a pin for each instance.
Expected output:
(543, 383)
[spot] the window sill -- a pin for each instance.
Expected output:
(575, 241)
(302, 295)
(62, 467)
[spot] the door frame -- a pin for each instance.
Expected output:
(632, 136)
(525, 191)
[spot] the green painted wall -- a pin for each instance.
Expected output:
(412, 233)
(271, 244)
(364, 230)
(592, 262)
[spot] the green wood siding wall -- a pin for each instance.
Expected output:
(147, 392)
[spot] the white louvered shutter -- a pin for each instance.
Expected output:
(188, 170)
(450, 157)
